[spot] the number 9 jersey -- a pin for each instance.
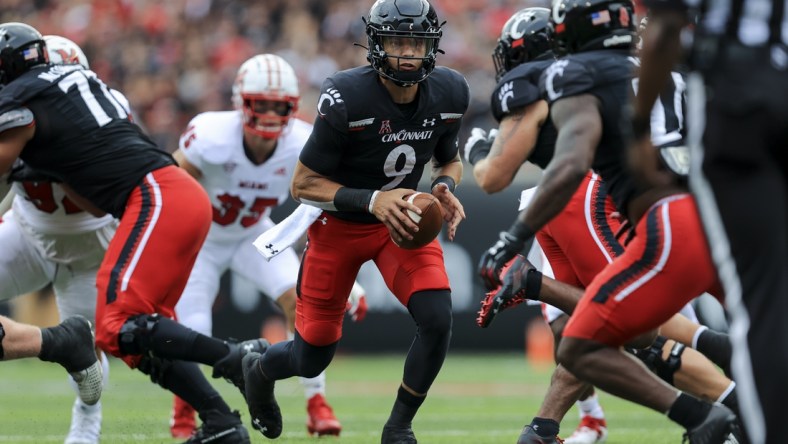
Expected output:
(362, 139)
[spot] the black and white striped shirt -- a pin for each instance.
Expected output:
(750, 22)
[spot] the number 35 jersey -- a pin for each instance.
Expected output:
(362, 139)
(242, 194)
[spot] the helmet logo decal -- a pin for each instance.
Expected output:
(30, 53)
(411, 27)
(331, 96)
(68, 57)
(600, 17)
(519, 26)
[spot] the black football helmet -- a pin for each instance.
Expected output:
(584, 25)
(21, 48)
(525, 37)
(415, 19)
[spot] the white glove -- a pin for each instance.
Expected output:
(478, 145)
(357, 303)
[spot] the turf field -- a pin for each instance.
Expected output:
(476, 399)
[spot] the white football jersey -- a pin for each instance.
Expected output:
(242, 193)
(46, 209)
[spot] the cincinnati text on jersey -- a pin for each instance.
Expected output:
(403, 136)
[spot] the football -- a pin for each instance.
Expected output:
(430, 221)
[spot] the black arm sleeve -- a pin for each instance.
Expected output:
(448, 147)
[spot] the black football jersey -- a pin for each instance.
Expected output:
(607, 75)
(83, 135)
(362, 139)
(518, 89)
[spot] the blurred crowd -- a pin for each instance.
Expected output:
(176, 58)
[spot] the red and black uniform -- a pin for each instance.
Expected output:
(84, 138)
(648, 283)
(580, 241)
(361, 139)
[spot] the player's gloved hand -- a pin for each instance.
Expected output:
(478, 145)
(357, 303)
(509, 244)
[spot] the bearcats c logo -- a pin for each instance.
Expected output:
(556, 69)
(331, 96)
(518, 27)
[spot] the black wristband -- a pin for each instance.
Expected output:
(479, 152)
(352, 199)
(521, 231)
(533, 284)
(448, 180)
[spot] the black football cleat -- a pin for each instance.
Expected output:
(393, 434)
(529, 436)
(510, 294)
(717, 428)
(75, 336)
(220, 428)
(229, 367)
(266, 416)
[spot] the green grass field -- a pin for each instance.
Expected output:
(476, 399)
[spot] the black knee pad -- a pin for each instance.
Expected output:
(311, 360)
(135, 334)
(672, 364)
(431, 309)
(652, 357)
(2, 335)
(156, 368)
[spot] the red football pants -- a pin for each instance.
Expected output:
(149, 260)
(335, 252)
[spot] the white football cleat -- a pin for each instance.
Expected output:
(590, 431)
(85, 423)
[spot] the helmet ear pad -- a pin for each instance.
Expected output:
(415, 19)
(21, 48)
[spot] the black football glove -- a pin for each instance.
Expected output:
(479, 144)
(509, 244)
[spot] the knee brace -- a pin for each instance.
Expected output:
(652, 357)
(2, 335)
(155, 367)
(135, 334)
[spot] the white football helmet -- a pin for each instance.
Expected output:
(266, 91)
(63, 51)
